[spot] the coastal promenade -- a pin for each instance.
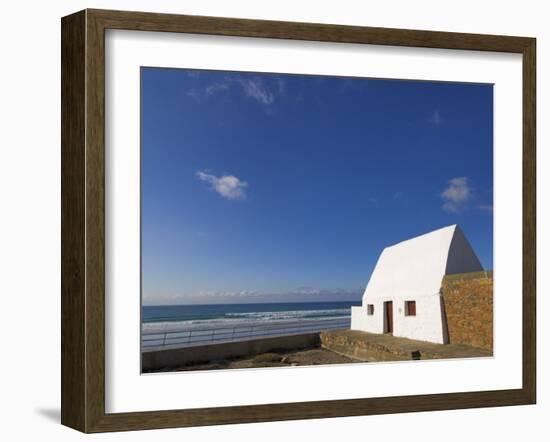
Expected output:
(200, 336)
(326, 347)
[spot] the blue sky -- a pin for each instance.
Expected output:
(273, 187)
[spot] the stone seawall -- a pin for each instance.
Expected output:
(372, 347)
(468, 304)
(170, 358)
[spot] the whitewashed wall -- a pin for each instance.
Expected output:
(360, 320)
(413, 270)
(427, 325)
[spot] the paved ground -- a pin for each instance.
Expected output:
(345, 347)
(374, 347)
(313, 356)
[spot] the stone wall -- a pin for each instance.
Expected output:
(375, 347)
(468, 306)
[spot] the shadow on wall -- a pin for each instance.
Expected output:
(444, 321)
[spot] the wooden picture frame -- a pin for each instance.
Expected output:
(83, 220)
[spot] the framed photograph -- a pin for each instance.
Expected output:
(269, 220)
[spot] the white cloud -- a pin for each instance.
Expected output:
(195, 94)
(457, 195)
(436, 118)
(303, 294)
(209, 91)
(486, 207)
(281, 85)
(228, 186)
(308, 291)
(216, 87)
(254, 88)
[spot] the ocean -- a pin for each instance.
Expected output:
(188, 324)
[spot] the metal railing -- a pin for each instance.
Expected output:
(204, 336)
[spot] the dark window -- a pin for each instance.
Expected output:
(370, 309)
(410, 308)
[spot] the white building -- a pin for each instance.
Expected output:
(403, 294)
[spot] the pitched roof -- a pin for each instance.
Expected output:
(416, 267)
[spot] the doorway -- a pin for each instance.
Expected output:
(388, 317)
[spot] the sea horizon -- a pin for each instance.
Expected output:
(247, 303)
(194, 317)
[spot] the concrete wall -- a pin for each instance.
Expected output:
(468, 305)
(154, 360)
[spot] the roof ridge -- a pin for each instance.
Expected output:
(423, 234)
